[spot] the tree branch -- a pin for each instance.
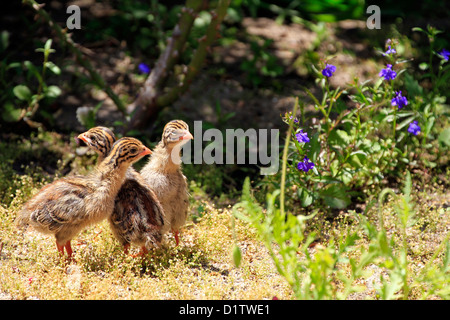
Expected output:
(199, 57)
(152, 98)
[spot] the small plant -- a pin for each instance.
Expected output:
(31, 102)
(342, 153)
(331, 271)
(364, 134)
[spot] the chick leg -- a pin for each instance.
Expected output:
(144, 251)
(177, 239)
(68, 249)
(67, 246)
(60, 248)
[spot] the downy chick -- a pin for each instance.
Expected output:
(163, 173)
(68, 205)
(138, 217)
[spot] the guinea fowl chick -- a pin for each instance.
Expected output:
(138, 217)
(163, 173)
(68, 205)
(100, 139)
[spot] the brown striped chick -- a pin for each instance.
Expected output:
(163, 173)
(138, 217)
(100, 139)
(68, 205)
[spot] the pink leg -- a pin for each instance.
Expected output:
(60, 248)
(68, 248)
(143, 251)
(177, 239)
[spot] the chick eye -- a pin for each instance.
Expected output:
(93, 138)
(133, 150)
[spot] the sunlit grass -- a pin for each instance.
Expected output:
(202, 266)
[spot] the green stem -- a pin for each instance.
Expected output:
(33, 108)
(285, 154)
(394, 125)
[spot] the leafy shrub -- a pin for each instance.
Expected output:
(21, 94)
(350, 149)
(315, 274)
(344, 152)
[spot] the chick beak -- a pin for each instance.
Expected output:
(186, 136)
(83, 138)
(145, 152)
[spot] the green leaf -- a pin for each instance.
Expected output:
(30, 66)
(22, 92)
(339, 139)
(444, 137)
(306, 198)
(412, 85)
(4, 40)
(314, 147)
(336, 196)
(405, 122)
(357, 160)
(53, 67)
(48, 45)
(10, 114)
(418, 29)
(429, 124)
(53, 92)
(237, 256)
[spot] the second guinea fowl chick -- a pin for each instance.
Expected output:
(68, 205)
(100, 139)
(138, 217)
(163, 173)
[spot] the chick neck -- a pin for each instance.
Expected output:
(165, 158)
(111, 173)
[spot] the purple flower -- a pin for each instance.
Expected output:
(302, 136)
(389, 51)
(295, 119)
(143, 68)
(329, 70)
(445, 54)
(305, 165)
(399, 100)
(414, 128)
(388, 73)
